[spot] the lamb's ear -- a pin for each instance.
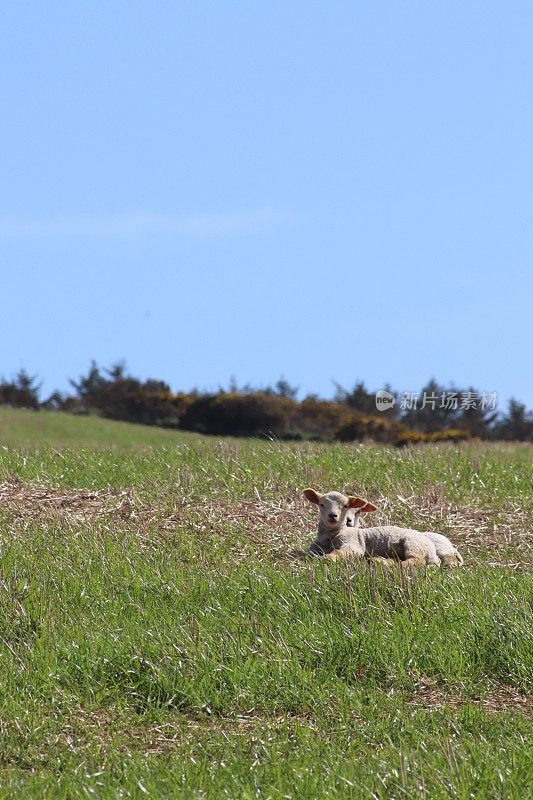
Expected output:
(312, 496)
(356, 502)
(362, 505)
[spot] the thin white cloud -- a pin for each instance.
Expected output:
(142, 224)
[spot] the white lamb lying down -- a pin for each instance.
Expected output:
(444, 549)
(339, 535)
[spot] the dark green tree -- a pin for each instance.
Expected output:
(516, 424)
(21, 392)
(359, 398)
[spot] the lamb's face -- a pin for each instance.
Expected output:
(334, 508)
(352, 518)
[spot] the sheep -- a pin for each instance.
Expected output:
(446, 551)
(339, 540)
(333, 536)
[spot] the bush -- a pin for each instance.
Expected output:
(321, 419)
(415, 437)
(360, 427)
(232, 414)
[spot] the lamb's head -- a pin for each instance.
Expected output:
(352, 518)
(336, 508)
(353, 515)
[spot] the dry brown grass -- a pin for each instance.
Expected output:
(476, 531)
(499, 698)
(275, 527)
(32, 501)
(108, 730)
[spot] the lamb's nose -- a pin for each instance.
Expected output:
(333, 517)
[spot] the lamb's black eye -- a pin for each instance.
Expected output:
(321, 505)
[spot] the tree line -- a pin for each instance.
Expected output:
(436, 413)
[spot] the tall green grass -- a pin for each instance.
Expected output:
(492, 475)
(195, 661)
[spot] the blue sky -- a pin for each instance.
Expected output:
(324, 190)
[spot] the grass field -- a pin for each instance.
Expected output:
(158, 640)
(21, 427)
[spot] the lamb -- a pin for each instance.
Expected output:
(446, 551)
(334, 539)
(339, 535)
(448, 554)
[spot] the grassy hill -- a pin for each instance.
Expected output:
(21, 427)
(158, 639)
